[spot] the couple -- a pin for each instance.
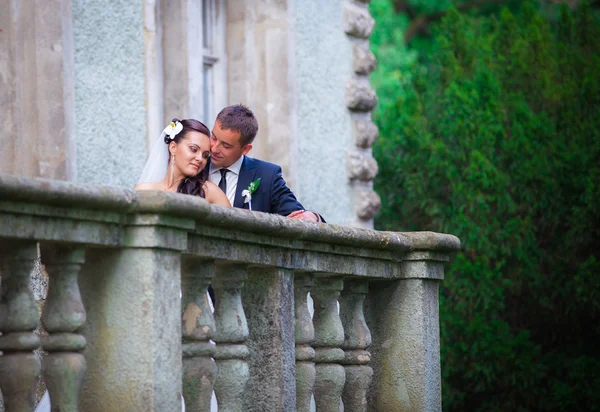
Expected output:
(189, 159)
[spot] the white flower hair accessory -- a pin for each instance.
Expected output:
(173, 129)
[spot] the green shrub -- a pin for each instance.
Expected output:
(496, 139)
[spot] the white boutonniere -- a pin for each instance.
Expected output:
(173, 129)
(247, 193)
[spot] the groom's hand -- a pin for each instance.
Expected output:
(305, 215)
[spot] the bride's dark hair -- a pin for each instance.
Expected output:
(193, 185)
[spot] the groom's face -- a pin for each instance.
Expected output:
(225, 147)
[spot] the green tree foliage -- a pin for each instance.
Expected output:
(388, 46)
(496, 139)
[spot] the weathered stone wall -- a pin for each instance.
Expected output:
(324, 128)
(260, 74)
(36, 90)
(113, 85)
(110, 114)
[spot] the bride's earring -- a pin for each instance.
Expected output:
(172, 173)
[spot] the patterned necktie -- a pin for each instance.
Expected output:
(223, 181)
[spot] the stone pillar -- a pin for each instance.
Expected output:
(182, 59)
(404, 316)
(64, 314)
(357, 338)
(133, 328)
(37, 94)
(37, 89)
(198, 327)
(19, 366)
(360, 100)
(110, 94)
(305, 335)
(260, 67)
(329, 337)
(153, 71)
(231, 335)
(269, 307)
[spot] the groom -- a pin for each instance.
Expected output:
(233, 171)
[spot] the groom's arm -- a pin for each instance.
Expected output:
(284, 202)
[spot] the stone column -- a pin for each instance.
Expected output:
(19, 366)
(153, 71)
(198, 327)
(360, 100)
(133, 328)
(357, 338)
(404, 316)
(182, 52)
(37, 89)
(64, 314)
(305, 335)
(260, 65)
(269, 307)
(329, 337)
(231, 335)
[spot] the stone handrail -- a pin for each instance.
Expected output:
(130, 327)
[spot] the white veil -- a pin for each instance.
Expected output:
(157, 164)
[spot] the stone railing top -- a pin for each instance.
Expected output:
(78, 196)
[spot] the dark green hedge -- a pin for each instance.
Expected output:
(496, 139)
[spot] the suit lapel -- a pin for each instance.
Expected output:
(247, 173)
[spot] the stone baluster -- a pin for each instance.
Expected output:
(329, 337)
(404, 318)
(197, 327)
(19, 366)
(230, 336)
(305, 334)
(132, 298)
(357, 338)
(269, 307)
(64, 314)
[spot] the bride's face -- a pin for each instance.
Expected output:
(191, 153)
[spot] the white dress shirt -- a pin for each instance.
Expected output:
(232, 176)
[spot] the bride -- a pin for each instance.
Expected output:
(177, 162)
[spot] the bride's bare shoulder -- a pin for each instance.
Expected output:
(148, 186)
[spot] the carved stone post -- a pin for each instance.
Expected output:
(133, 329)
(197, 328)
(305, 334)
(19, 366)
(64, 314)
(269, 307)
(360, 100)
(404, 319)
(357, 338)
(329, 337)
(230, 336)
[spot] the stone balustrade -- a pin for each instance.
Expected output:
(130, 326)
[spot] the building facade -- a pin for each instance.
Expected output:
(87, 85)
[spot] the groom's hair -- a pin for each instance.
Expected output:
(239, 119)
